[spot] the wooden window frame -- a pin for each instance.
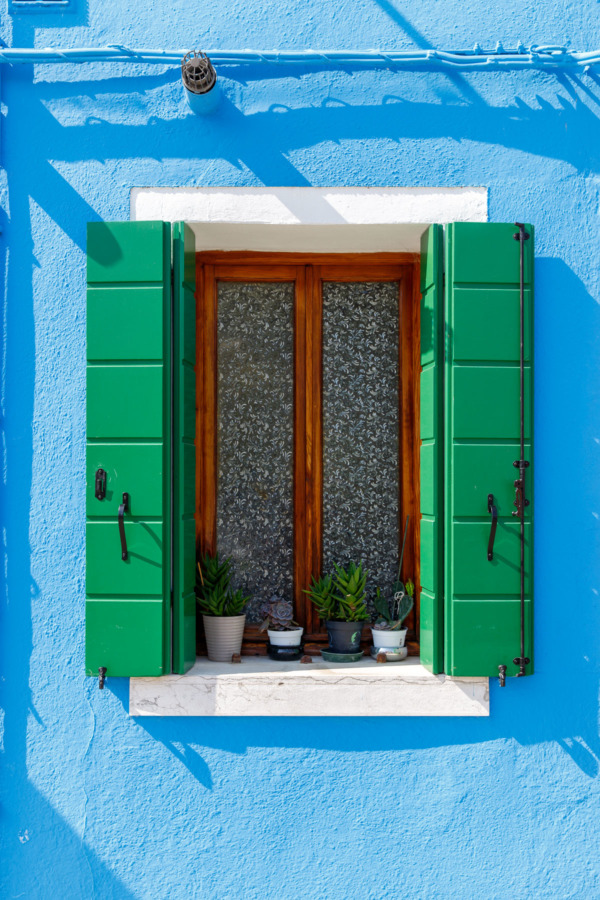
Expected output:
(309, 272)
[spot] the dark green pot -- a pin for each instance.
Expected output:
(344, 637)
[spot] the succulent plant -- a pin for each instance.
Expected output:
(392, 612)
(213, 576)
(350, 587)
(214, 595)
(278, 615)
(341, 596)
(321, 594)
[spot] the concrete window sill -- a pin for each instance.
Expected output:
(261, 687)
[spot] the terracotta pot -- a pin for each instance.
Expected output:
(223, 636)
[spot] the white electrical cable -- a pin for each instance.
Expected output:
(533, 57)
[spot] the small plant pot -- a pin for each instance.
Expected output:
(390, 640)
(344, 637)
(291, 638)
(223, 636)
(284, 654)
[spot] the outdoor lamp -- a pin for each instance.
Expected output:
(200, 82)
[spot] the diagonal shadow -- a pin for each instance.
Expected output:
(261, 142)
(555, 706)
(43, 856)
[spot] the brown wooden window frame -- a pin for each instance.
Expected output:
(309, 272)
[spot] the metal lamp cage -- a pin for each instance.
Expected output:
(198, 73)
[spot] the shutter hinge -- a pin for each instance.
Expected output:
(520, 501)
(521, 464)
(100, 484)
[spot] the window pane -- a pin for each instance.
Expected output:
(360, 428)
(255, 437)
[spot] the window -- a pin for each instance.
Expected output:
(476, 292)
(307, 399)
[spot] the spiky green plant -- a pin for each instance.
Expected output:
(341, 596)
(215, 597)
(234, 603)
(213, 576)
(350, 593)
(321, 593)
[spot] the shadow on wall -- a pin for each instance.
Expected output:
(261, 141)
(43, 855)
(48, 858)
(562, 695)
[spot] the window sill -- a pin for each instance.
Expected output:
(261, 687)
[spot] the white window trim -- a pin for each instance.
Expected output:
(330, 220)
(310, 220)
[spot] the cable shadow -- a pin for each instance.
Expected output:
(540, 130)
(262, 141)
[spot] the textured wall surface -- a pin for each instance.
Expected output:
(98, 805)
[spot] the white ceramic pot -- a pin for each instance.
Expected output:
(389, 639)
(285, 638)
(223, 636)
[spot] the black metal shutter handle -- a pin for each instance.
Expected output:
(123, 508)
(494, 513)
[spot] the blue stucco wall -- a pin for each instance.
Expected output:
(98, 805)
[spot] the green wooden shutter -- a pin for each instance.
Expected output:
(184, 455)
(482, 431)
(432, 439)
(128, 608)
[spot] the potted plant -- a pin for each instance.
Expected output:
(387, 631)
(285, 635)
(340, 602)
(222, 608)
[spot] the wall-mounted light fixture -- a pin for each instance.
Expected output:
(200, 82)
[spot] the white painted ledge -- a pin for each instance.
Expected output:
(310, 219)
(261, 687)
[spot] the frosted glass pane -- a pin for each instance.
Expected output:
(360, 428)
(255, 437)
